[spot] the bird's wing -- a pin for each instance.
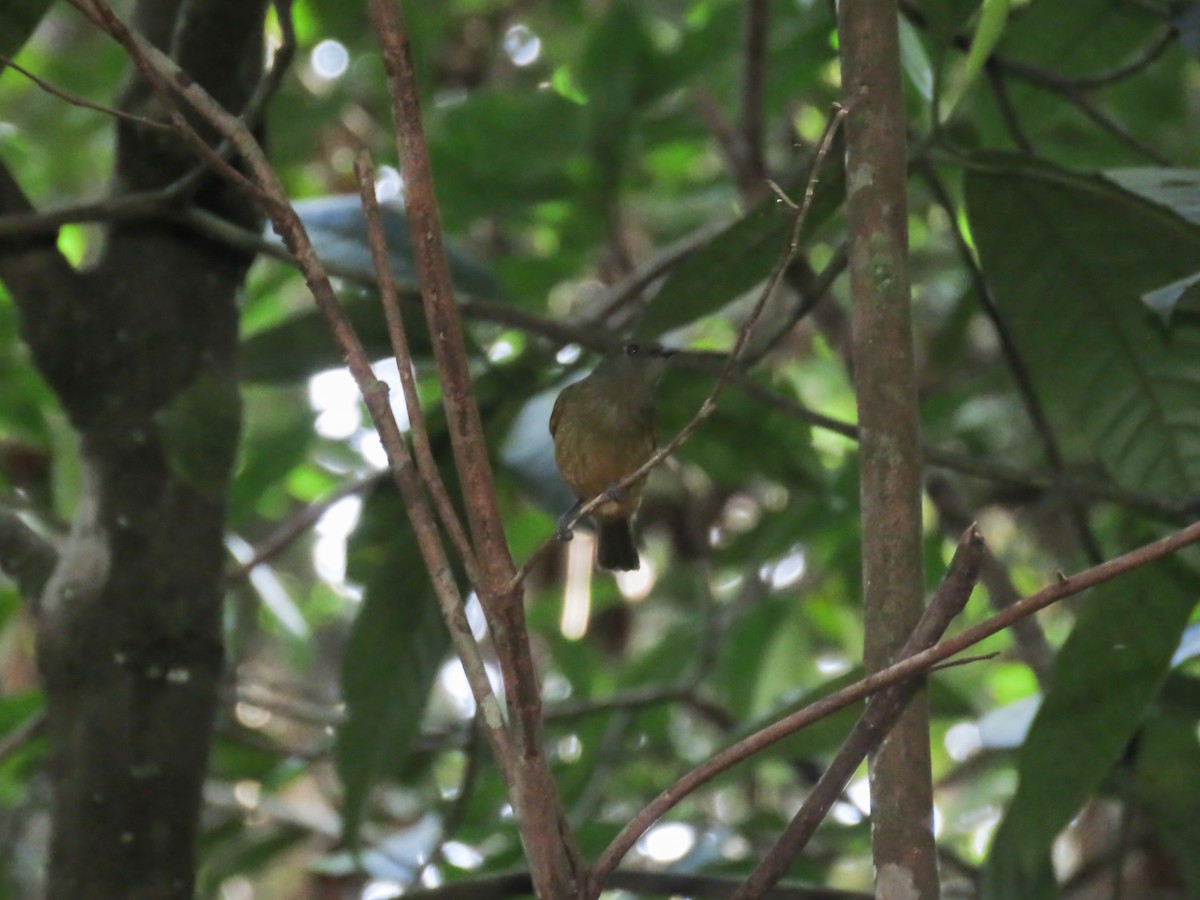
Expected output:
(555, 414)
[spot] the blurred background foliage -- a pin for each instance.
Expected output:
(582, 147)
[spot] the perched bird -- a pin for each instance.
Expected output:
(603, 430)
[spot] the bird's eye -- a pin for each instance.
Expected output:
(632, 349)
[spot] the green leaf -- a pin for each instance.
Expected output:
(302, 345)
(1176, 189)
(18, 19)
(1068, 258)
(1182, 296)
(199, 430)
(392, 658)
(1167, 783)
(992, 21)
(1105, 677)
(338, 231)
(277, 438)
(738, 257)
(915, 60)
(481, 151)
(1083, 37)
(617, 54)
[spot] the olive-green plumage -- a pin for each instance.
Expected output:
(603, 429)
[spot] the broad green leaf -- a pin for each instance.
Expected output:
(738, 257)
(481, 150)
(1083, 37)
(302, 345)
(1104, 679)
(1167, 784)
(338, 231)
(18, 19)
(1176, 189)
(392, 659)
(618, 52)
(915, 61)
(1182, 296)
(1179, 191)
(278, 436)
(1068, 258)
(988, 32)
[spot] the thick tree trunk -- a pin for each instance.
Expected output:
(142, 354)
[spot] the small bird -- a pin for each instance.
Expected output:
(603, 429)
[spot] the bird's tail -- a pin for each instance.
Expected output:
(616, 548)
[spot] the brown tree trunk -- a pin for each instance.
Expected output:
(142, 354)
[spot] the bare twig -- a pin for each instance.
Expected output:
(397, 334)
(1008, 112)
(899, 671)
(76, 100)
(727, 370)
(102, 15)
(287, 531)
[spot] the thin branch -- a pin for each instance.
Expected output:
(437, 294)
(811, 290)
(76, 100)
(728, 368)
(1008, 111)
(102, 16)
(881, 714)
(287, 531)
(397, 334)
(635, 283)
(144, 204)
(642, 884)
(1134, 67)
(1031, 644)
(893, 674)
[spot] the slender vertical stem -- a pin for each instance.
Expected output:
(752, 170)
(555, 861)
(885, 381)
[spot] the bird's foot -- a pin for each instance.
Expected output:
(566, 524)
(616, 493)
